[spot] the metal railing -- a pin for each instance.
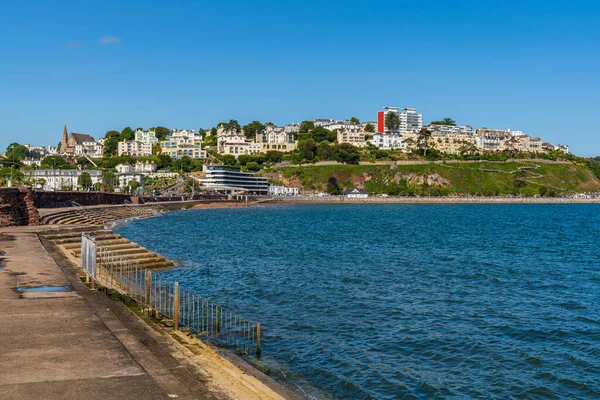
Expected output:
(188, 310)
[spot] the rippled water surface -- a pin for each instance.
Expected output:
(404, 301)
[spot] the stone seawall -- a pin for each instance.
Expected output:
(43, 199)
(17, 208)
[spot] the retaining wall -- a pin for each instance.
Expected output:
(17, 208)
(44, 199)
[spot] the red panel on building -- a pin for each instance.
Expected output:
(381, 122)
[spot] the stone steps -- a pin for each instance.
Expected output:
(70, 241)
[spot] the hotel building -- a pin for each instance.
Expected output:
(226, 179)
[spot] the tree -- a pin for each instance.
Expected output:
(41, 183)
(369, 128)
(319, 134)
(110, 147)
(252, 166)
(347, 153)
(424, 140)
(183, 164)
(274, 156)
(254, 127)
(229, 159)
(16, 151)
(233, 126)
(109, 181)
(56, 162)
(126, 134)
(333, 187)
(112, 135)
(306, 126)
(307, 149)
(325, 151)
(445, 121)
(392, 121)
(355, 120)
(84, 181)
(543, 190)
(161, 132)
(165, 161)
(467, 149)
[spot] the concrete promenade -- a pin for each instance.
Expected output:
(78, 344)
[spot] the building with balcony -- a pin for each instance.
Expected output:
(148, 136)
(274, 138)
(410, 120)
(134, 148)
(226, 179)
(354, 136)
(388, 141)
(178, 146)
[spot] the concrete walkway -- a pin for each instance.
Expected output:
(78, 344)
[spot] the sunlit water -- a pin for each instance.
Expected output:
(404, 301)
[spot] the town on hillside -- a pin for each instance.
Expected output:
(230, 158)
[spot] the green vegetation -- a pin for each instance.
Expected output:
(445, 121)
(392, 121)
(441, 179)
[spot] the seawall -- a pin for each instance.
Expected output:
(17, 208)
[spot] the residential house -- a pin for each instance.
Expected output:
(134, 148)
(275, 138)
(355, 194)
(280, 190)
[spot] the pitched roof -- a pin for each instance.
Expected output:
(81, 137)
(354, 191)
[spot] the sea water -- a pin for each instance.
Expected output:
(403, 301)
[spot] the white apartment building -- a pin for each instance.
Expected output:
(148, 136)
(90, 149)
(134, 148)
(410, 120)
(388, 141)
(64, 179)
(563, 148)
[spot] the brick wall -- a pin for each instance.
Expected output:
(17, 208)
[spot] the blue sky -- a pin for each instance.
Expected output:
(102, 65)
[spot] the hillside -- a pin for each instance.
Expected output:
(526, 178)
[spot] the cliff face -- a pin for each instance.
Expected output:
(17, 208)
(469, 178)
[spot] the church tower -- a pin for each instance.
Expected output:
(65, 137)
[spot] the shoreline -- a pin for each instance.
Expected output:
(432, 200)
(230, 374)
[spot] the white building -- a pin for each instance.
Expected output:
(64, 179)
(32, 162)
(135, 149)
(185, 133)
(291, 128)
(280, 190)
(410, 120)
(355, 194)
(226, 179)
(388, 141)
(563, 148)
(38, 149)
(148, 136)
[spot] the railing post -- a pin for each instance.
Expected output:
(148, 287)
(258, 340)
(176, 306)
